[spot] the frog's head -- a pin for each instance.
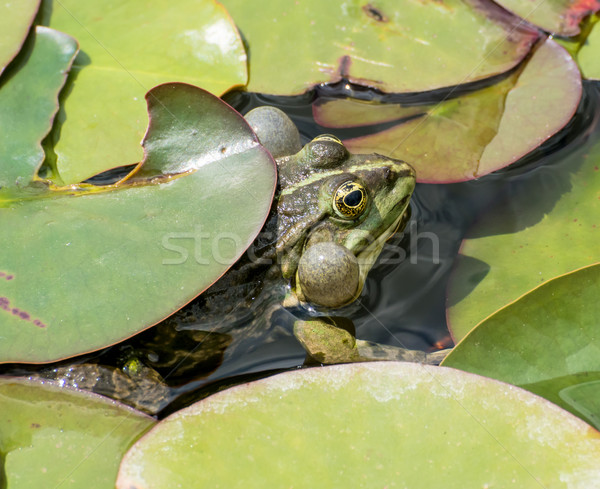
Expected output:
(336, 210)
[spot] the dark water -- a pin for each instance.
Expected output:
(403, 303)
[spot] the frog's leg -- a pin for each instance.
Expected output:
(331, 340)
(328, 340)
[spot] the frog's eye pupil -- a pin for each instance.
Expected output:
(354, 198)
(350, 200)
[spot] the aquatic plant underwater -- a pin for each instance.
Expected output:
(494, 104)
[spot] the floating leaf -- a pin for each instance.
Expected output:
(29, 102)
(127, 48)
(51, 436)
(15, 21)
(589, 54)
(548, 226)
(540, 340)
(472, 135)
(406, 46)
(556, 16)
(84, 268)
(382, 424)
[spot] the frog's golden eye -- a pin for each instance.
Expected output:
(350, 200)
(327, 137)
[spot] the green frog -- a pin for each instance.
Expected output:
(330, 218)
(334, 212)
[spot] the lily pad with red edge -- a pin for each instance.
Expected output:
(86, 267)
(29, 102)
(560, 17)
(52, 436)
(547, 225)
(548, 342)
(126, 49)
(384, 424)
(472, 135)
(391, 45)
(15, 21)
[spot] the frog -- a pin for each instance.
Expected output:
(331, 215)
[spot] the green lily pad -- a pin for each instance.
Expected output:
(549, 226)
(52, 436)
(589, 54)
(15, 21)
(469, 136)
(556, 16)
(95, 265)
(29, 102)
(127, 48)
(384, 424)
(548, 342)
(406, 46)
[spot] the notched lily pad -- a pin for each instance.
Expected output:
(367, 425)
(53, 436)
(548, 342)
(125, 52)
(466, 137)
(95, 265)
(29, 102)
(15, 21)
(391, 45)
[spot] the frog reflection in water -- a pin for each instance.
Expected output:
(332, 213)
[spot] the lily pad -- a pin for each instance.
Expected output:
(15, 21)
(548, 225)
(544, 338)
(472, 135)
(29, 102)
(556, 16)
(127, 48)
(52, 436)
(367, 425)
(391, 45)
(95, 265)
(589, 54)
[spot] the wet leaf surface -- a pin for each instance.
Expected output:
(555, 16)
(15, 21)
(546, 226)
(472, 135)
(29, 102)
(126, 49)
(589, 54)
(51, 436)
(407, 46)
(94, 266)
(548, 342)
(367, 425)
